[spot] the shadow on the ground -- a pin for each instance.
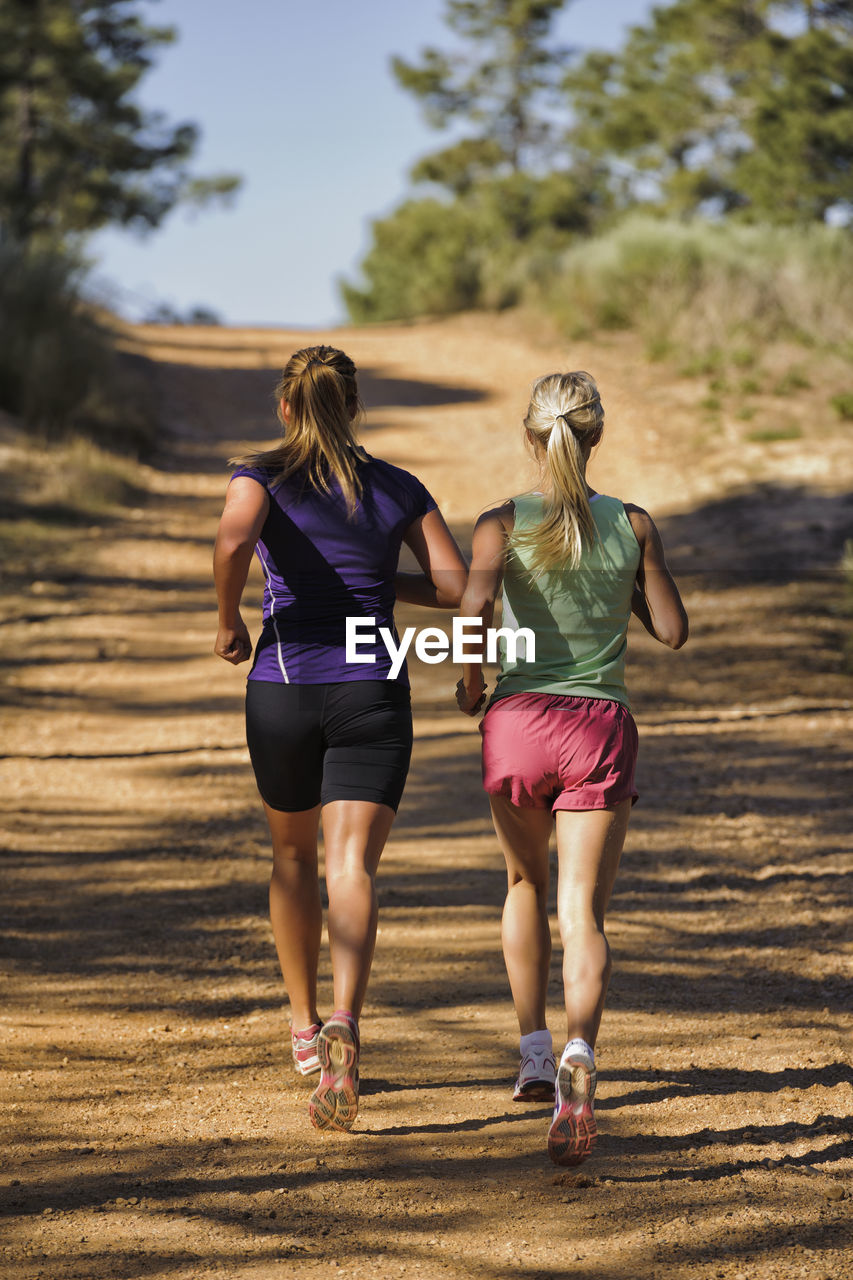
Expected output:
(209, 409)
(360, 1203)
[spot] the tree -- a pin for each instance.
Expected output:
(76, 151)
(424, 260)
(435, 257)
(732, 105)
(800, 163)
(502, 82)
(505, 191)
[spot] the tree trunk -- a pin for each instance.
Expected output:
(23, 200)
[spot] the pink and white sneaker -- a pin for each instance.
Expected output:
(304, 1045)
(334, 1103)
(572, 1135)
(536, 1076)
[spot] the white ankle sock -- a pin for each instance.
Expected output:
(538, 1040)
(579, 1046)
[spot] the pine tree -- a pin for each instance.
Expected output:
(799, 165)
(76, 151)
(725, 105)
(502, 82)
(505, 190)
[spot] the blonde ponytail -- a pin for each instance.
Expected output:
(565, 419)
(319, 384)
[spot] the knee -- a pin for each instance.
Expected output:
(518, 878)
(287, 858)
(343, 875)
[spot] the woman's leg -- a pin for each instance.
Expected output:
(524, 836)
(354, 835)
(589, 845)
(295, 909)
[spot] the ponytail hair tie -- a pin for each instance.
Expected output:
(564, 418)
(591, 403)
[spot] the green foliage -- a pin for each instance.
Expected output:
(506, 71)
(713, 292)
(59, 372)
(435, 257)
(712, 102)
(461, 167)
(76, 152)
(792, 380)
(77, 477)
(843, 405)
(769, 435)
(425, 260)
(800, 163)
(738, 108)
(165, 313)
(504, 207)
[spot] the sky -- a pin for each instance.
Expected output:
(298, 97)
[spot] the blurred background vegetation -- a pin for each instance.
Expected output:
(696, 186)
(76, 153)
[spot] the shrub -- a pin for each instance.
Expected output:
(713, 292)
(425, 260)
(789, 431)
(59, 371)
(843, 405)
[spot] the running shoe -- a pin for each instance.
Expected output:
(536, 1077)
(334, 1103)
(304, 1045)
(572, 1135)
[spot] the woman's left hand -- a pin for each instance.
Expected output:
(233, 643)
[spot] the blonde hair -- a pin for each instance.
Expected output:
(319, 384)
(565, 419)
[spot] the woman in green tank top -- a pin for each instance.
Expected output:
(559, 742)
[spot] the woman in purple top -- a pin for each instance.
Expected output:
(329, 730)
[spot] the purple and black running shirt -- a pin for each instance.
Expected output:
(322, 566)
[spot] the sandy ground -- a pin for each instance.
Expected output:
(154, 1124)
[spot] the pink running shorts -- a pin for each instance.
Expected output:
(549, 751)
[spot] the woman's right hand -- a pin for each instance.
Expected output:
(471, 693)
(233, 643)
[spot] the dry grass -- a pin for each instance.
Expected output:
(710, 294)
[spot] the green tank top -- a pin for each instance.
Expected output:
(578, 616)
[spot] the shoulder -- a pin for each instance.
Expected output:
(645, 530)
(380, 469)
(501, 517)
(641, 521)
(491, 537)
(376, 471)
(260, 475)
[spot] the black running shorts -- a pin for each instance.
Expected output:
(314, 743)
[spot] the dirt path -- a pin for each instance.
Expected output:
(155, 1127)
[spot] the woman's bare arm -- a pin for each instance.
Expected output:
(484, 583)
(656, 601)
(246, 506)
(444, 570)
